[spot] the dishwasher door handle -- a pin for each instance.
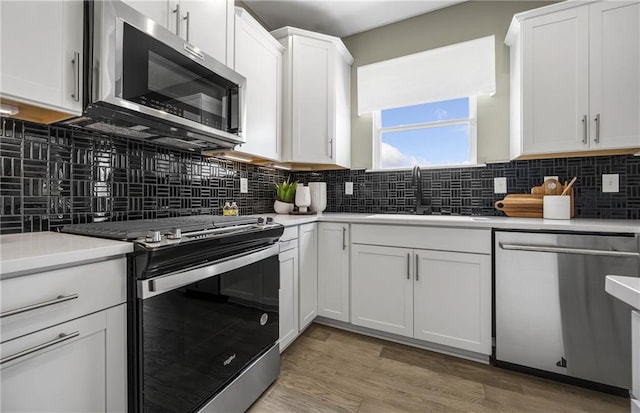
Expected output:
(567, 250)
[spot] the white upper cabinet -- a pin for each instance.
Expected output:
(41, 54)
(575, 78)
(156, 10)
(316, 108)
(258, 57)
(207, 24)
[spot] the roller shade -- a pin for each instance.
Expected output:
(450, 72)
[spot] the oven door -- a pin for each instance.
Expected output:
(200, 328)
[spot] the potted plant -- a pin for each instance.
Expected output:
(285, 194)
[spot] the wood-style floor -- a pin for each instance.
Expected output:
(330, 370)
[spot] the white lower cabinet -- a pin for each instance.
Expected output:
(288, 296)
(333, 271)
(64, 342)
(452, 299)
(635, 356)
(441, 297)
(635, 406)
(308, 274)
(382, 288)
(77, 366)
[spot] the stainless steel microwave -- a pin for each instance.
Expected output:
(147, 83)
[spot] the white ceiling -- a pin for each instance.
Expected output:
(340, 18)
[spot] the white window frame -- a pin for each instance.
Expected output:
(473, 136)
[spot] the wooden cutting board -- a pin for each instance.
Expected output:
(549, 187)
(521, 205)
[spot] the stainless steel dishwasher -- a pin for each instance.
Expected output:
(552, 313)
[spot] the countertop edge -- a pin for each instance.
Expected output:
(624, 288)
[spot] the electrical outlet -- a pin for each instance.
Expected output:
(610, 183)
(348, 188)
(551, 177)
(244, 185)
(500, 185)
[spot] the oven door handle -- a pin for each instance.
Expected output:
(155, 286)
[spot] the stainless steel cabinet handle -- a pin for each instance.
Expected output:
(331, 148)
(61, 338)
(584, 129)
(177, 12)
(564, 250)
(597, 138)
(408, 266)
(344, 238)
(76, 76)
(187, 18)
(57, 300)
(417, 274)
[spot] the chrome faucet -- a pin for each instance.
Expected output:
(416, 181)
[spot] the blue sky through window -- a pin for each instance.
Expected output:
(439, 145)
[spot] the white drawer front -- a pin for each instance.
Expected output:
(434, 238)
(289, 233)
(635, 354)
(288, 245)
(97, 286)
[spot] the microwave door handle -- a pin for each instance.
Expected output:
(165, 283)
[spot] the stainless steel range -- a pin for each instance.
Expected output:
(202, 310)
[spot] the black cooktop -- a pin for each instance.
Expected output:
(131, 230)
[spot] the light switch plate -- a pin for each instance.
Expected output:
(348, 188)
(610, 183)
(500, 185)
(244, 185)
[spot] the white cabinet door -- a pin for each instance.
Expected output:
(635, 406)
(615, 74)
(635, 354)
(308, 274)
(312, 100)
(288, 297)
(452, 299)
(382, 288)
(41, 53)
(258, 57)
(80, 367)
(555, 76)
(156, 10)
(342, 142)
(333, 271)
(205, 24)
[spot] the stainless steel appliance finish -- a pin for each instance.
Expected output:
(203, 310)
(147, 83)
(551, 309)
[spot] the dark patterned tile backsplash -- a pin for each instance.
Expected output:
(469, 191)
(52, 176)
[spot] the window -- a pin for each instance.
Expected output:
(430, 134)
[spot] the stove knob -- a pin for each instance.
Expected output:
(175, 233)
(260, 221)
(153, 236)
(269, 220)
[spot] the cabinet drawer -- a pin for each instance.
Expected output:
(289, 233)
(635, 354)
(82, 290)
(288, 245)
(433, 238)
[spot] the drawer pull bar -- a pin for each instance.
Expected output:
(57, 300)
(61, 338)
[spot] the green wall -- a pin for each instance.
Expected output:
(454, 24)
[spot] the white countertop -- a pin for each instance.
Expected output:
(624, 288)
(29, 252)
(576, 224)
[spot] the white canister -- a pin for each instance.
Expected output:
(556, 207)
(303, 197)
(318, 196)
